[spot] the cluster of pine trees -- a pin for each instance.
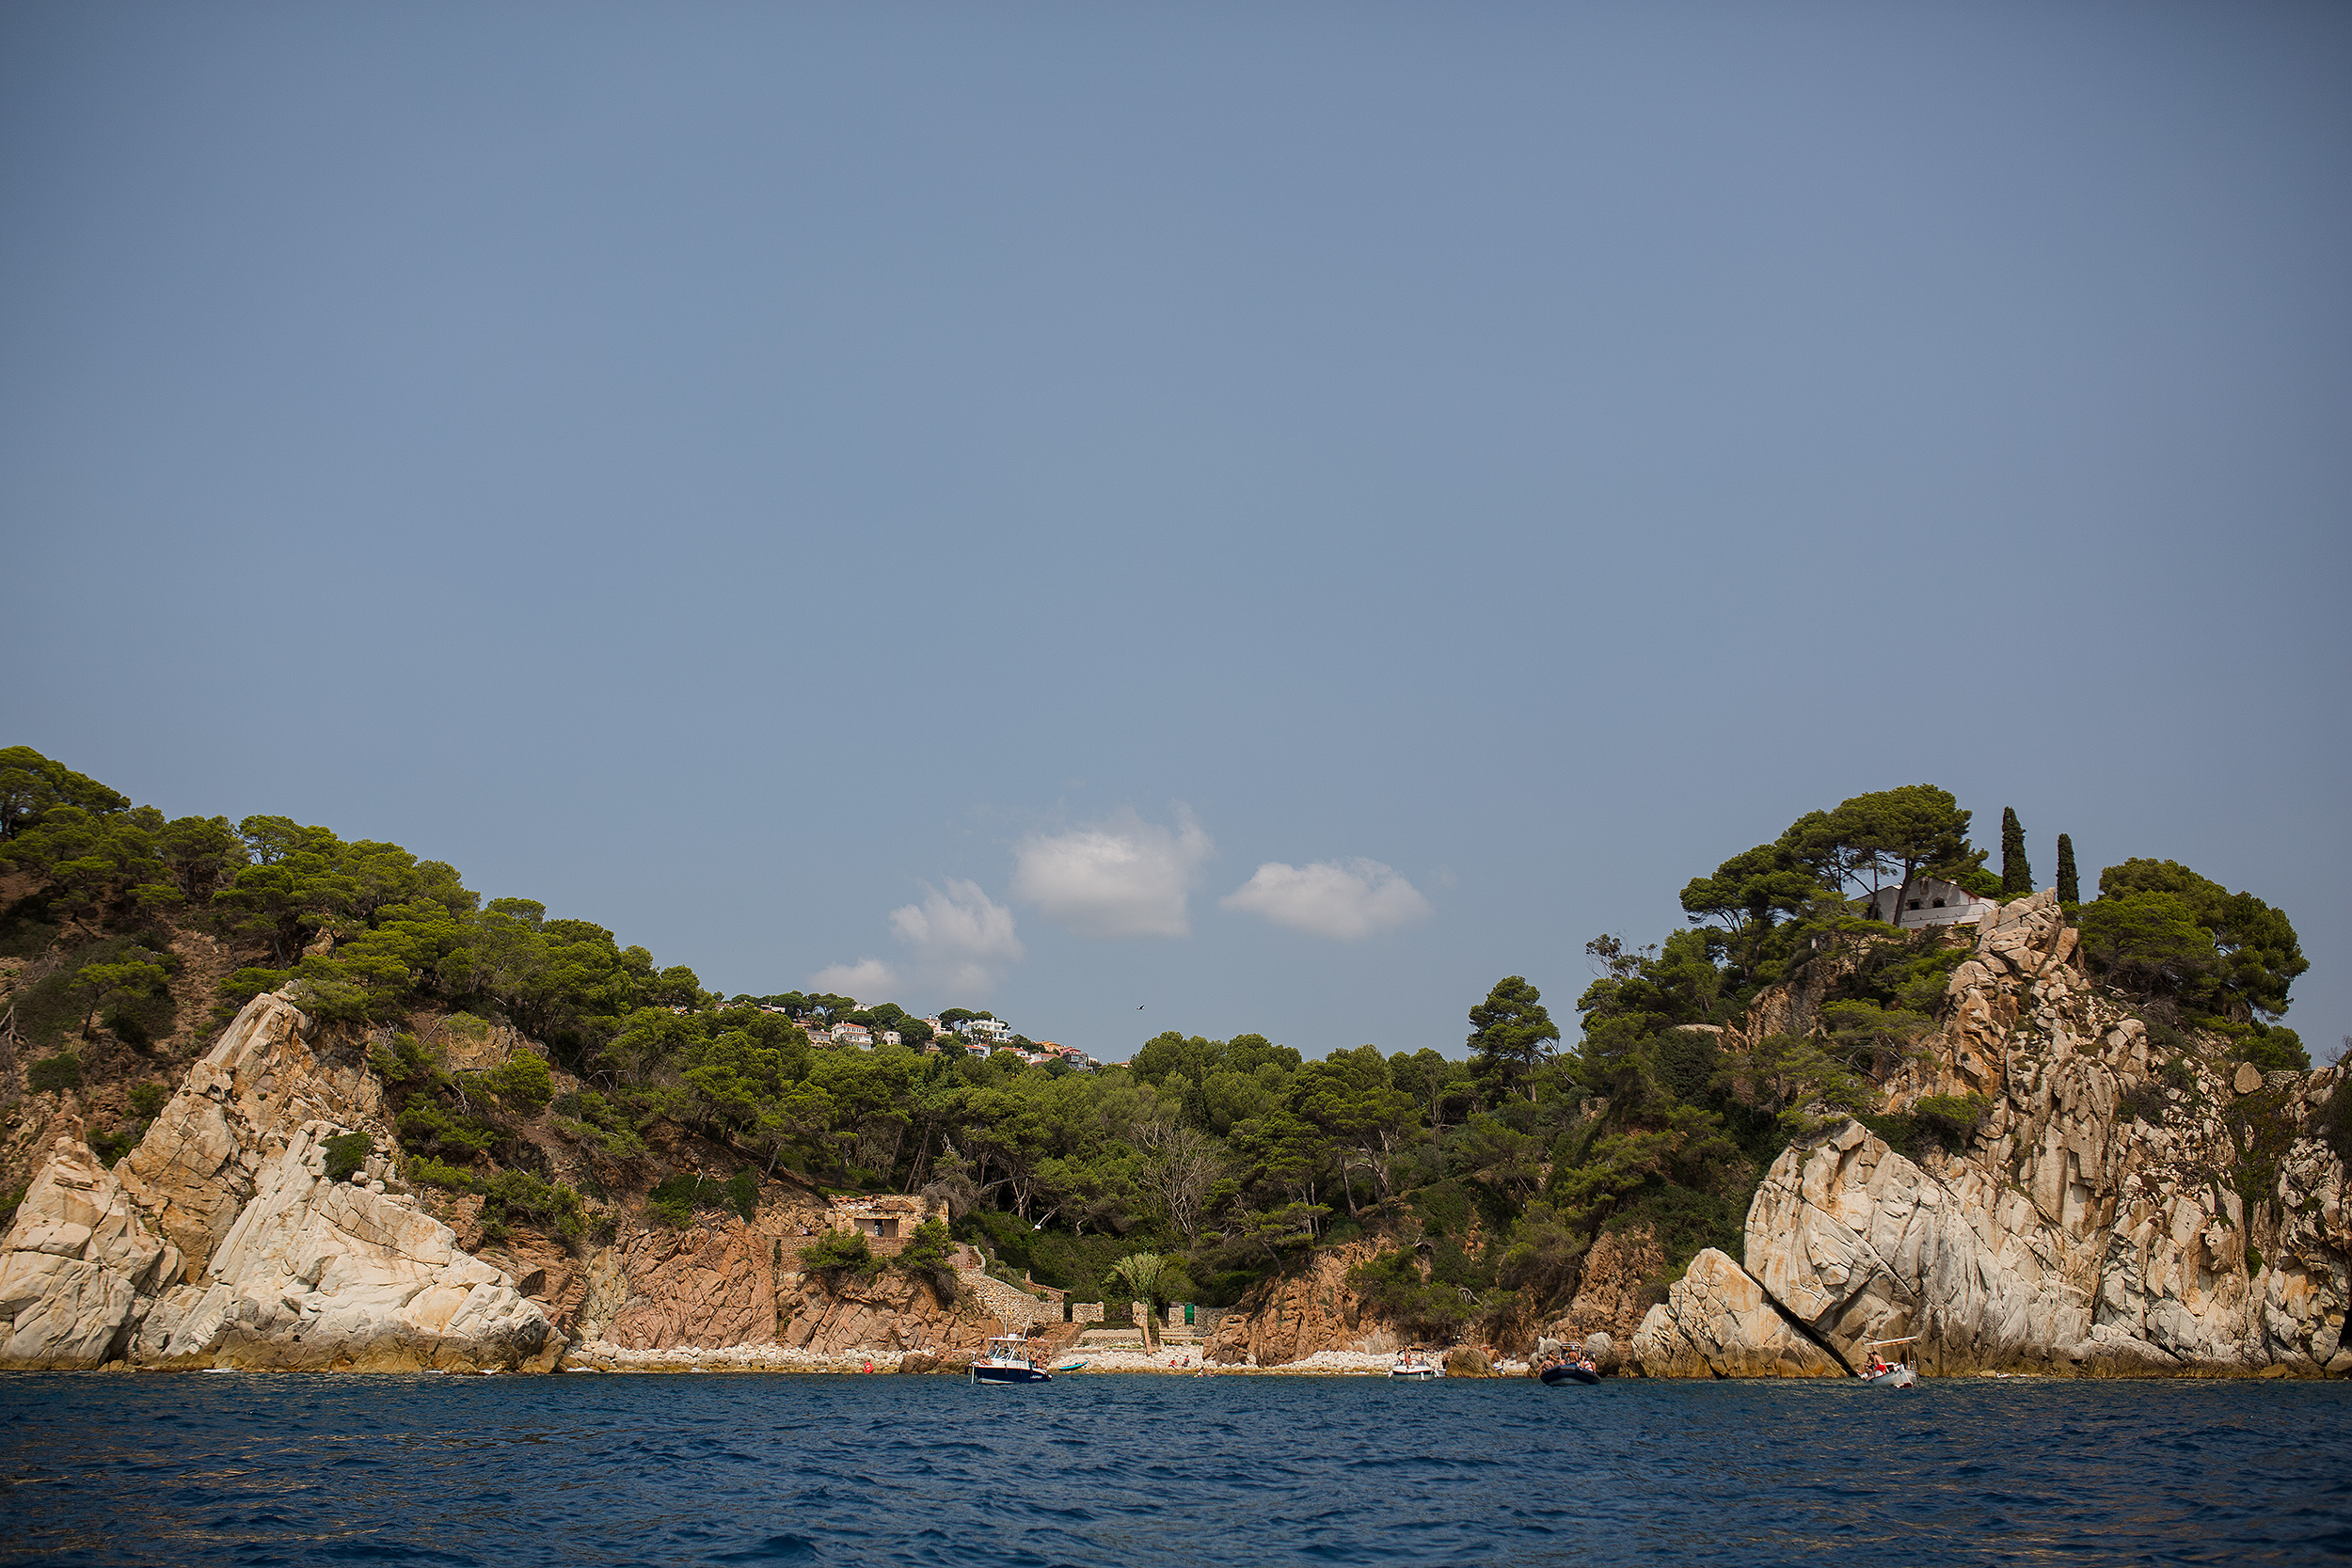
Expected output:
(1227, 1158)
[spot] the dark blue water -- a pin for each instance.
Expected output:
(1133, 1470)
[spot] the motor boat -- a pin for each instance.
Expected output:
(1880, 1373)
(1009, 1360)
(1568, 1371)
(1417, 1365)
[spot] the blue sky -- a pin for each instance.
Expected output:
(1275, 516)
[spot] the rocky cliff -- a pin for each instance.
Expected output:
(219, 1240)
(2124, 1208)
(1293, 1316)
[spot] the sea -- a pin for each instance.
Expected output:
(1131, 1470)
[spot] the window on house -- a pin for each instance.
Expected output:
(1939, 903)
(1914, 904)
(886, 1229)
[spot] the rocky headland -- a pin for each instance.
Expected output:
(2130, 1202)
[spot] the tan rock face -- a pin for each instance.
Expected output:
(1717, 1323)
(236, 1112)
(290, 1270)
(1608, 1297)
(319, 1274)
(2068, 1236)
(1293, 1316)
(74, 1265)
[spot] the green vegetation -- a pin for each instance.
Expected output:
(2159, 929)
(2016, 873)
(54, 1074)
(346, 1153)
(929, 1255)
(840, 1252)
(1201, 1168)
(2070, 888)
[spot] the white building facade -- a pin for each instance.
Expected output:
(1929, 901)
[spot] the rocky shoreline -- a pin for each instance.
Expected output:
(2128, 1205)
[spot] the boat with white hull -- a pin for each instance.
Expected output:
(1880, 1373)
(1009, 1360)
(1417, 1365)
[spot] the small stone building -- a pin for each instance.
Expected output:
(1929, 901)
(888, 1221)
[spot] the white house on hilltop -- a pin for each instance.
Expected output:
(1930, 901)
(994, 1030)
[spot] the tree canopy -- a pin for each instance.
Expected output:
(2161, 926)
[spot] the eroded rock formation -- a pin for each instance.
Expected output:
(222, 1241)
(2115, 1213)
(1290, 1317)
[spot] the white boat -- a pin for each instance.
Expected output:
(1417, 1365)
(1880, 1373)
(1009, 1360)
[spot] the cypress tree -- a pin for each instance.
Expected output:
(2070, 890)
(2016, 876)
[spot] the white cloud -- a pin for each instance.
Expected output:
(1122, 877)
(962, 939)
(868, 980)
(1342, 899)
(960, 942)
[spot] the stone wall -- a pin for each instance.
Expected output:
(1010, 1305)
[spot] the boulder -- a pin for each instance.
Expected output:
(1468, 1361)
(1717, 1322)
(74, 1265)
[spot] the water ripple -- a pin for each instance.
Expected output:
(1232, 1471)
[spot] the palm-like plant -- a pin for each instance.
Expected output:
(1141, 1271)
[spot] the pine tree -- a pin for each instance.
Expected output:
(2069, 890)
(2016, 876)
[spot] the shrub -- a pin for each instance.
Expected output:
(246, 983)
(406, 1065)
(521, 1083)
(2275, 1048)
(426, 1171)
(2334, 1122)
(1444, 1208)
(426, 1129)
(673, 1199)
(1952, 1119)
(1392, 1283)
(112, 1147)
(1933, 1121)
(838, 1250)
(346, 1153)
(929, 1255)
(147, 1099)
(513, 1194)
(54, 1074)
(2143, 1102)
(1686, 1221)
(743, 1192)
